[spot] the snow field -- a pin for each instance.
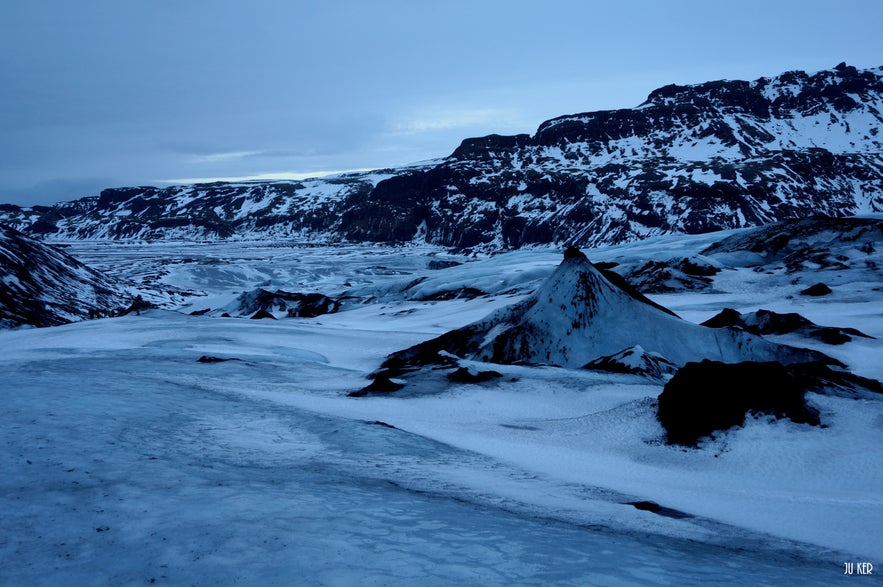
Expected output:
(125, 460)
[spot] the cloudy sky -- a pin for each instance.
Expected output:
(102, 93)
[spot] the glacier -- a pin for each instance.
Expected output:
(127, 461)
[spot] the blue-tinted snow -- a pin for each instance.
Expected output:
(125, 460)
(134, 465)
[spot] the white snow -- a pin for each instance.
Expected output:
(125, 460)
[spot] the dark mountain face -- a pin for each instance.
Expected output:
(692, 159)
(42, 286)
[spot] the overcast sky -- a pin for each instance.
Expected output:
(103, 93)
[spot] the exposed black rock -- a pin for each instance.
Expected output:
(768, 322)
(202, 312)
(605, 265)
(708, 397)
(726, 318)
(381, 423)
(138, 305)
(814, 243)
(831, 335)
(571, 252)
(467, 375)
(635, 361)
(436, 264)
(821, 378)
(464, 293)
(261, 314)
(652, 506)
(381, 384)
(672, 275)
(295, 305)
(817, 290)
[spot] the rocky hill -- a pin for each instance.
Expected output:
(722, 154)
(581, 317)
(43, 286)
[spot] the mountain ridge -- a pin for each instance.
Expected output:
(689, 159)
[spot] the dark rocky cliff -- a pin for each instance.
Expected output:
(722, 154)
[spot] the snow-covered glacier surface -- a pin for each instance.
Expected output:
(127, 461)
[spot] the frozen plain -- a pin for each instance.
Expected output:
(127, 462)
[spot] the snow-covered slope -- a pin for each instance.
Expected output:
(216, 211)
(42, 286)
(691, 159)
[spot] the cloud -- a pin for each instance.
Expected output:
(53, 191)
(225, 156)
(282, 175)
(443, 120)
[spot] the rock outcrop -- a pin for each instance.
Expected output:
(577, 317)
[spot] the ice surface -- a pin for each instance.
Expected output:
(126, 460)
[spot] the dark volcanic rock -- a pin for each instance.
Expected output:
(725, 318)
(464, 293)
(138, 305)
(703, 398)
(437, 264)
(817, 290)
(831, 335)
(296, 305)
(653, 507)
(381, 423)
(381, 384)
(261, 314)
(768, 322)
(635, 361)
(821, 378)
(466, 375)
(706, 397)
(815, 243)
(672, 275)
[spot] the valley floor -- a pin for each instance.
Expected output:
(126, 461)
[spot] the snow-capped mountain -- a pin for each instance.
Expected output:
(691, 159)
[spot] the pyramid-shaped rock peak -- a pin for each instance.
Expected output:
(579, 315)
